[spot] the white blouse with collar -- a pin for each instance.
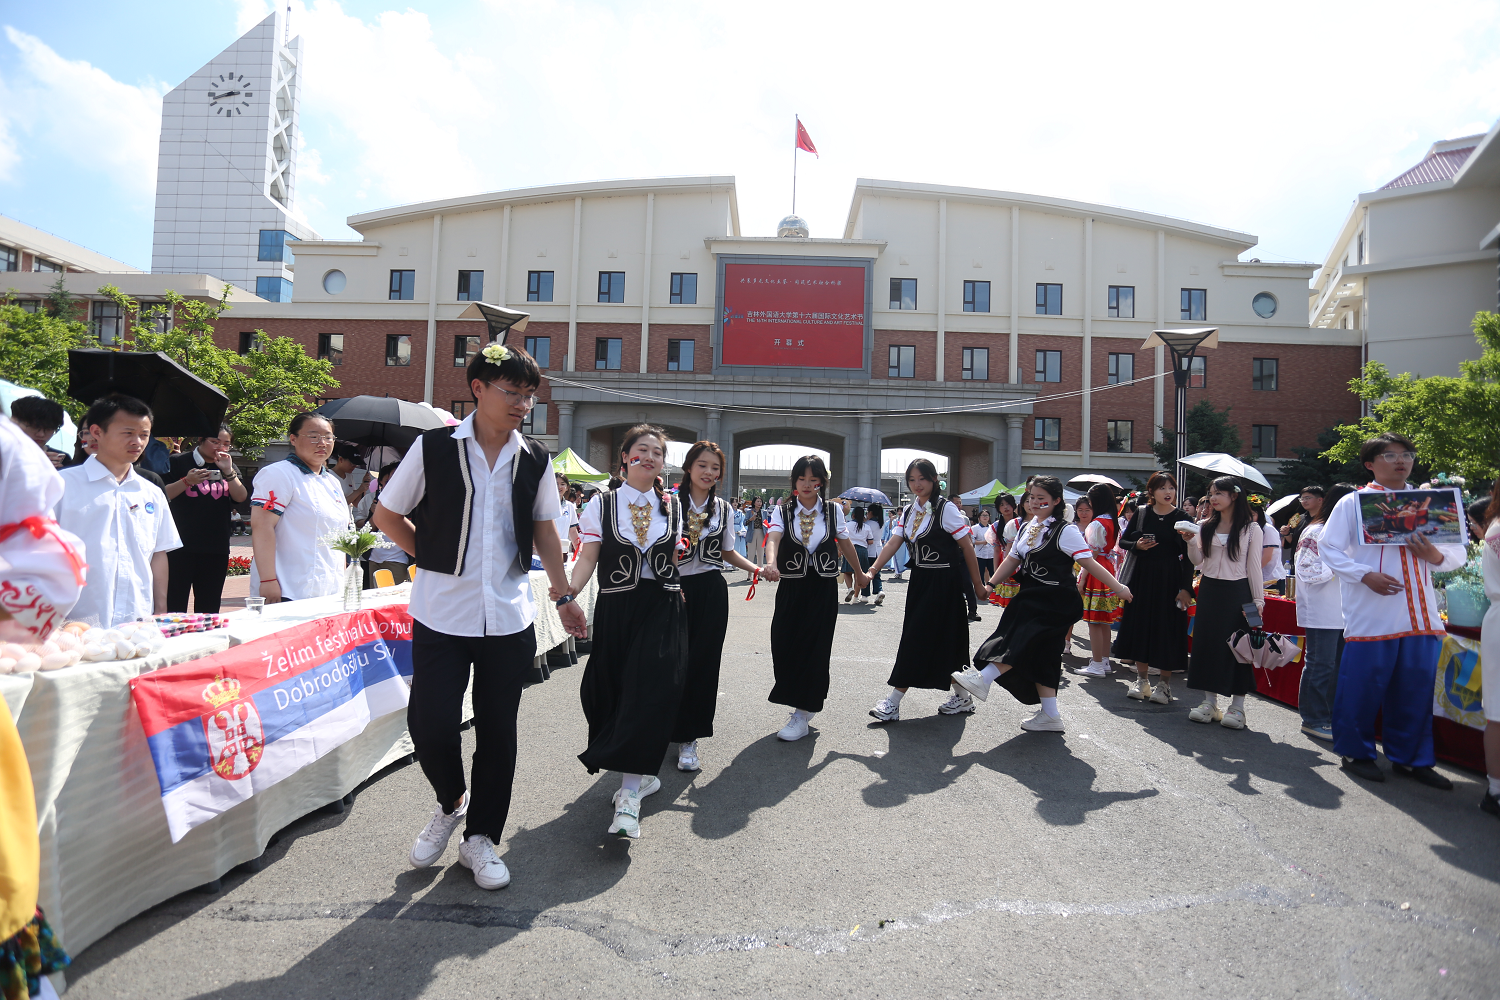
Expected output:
(819, 530)
(591, 523)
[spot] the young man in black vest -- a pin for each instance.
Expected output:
(468, 502)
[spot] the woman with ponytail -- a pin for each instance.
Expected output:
(1101, 608)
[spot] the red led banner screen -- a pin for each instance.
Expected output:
(794, 315)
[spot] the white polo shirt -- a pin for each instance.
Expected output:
(122, 524)
(309, 505)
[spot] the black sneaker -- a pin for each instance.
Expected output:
(1490, 804)
(1367, 769)
(1425, 775)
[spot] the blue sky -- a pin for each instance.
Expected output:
(1264, 118)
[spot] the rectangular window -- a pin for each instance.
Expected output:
(28, 305)
(1048, 300)
(535, 422)
(611, 286)
(461, 407)
(155, 316)
(607, 354)
(684, 289)
(1121, 368)
(1263, 374)
(1117, 435)
(464, 349)
(1195, 304)
(679, 355)
(540, 348)
(903, 293)
(1122, 301)
(403, 285)
(37, 264)
(538, 286)
(331, 348)
(1198, 372)
(249, 342)
(276, 289)
(107, 322)
(1047, 435)
(903, 361)
(976, 296)
(1263, 440)
(273, 246)
(397, 350)
(10, 259)
(1049, 366)
(977, 363)
(471, 286)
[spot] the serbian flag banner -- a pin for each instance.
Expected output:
(804, 141)
(224, 727)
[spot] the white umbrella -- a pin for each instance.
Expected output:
(1219, 463)
(1281, 504)
(1092, 478)
(66, 437)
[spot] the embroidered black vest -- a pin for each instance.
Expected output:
(792, 557)
(442, 517)
(932, 548)
(710, 546)
(1047, 564)
(620, 560)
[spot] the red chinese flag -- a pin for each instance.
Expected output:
(804, 141)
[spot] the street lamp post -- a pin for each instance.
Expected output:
(1183, 345)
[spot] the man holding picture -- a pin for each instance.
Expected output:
(1392, 630)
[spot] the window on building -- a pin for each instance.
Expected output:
(535, 421)
(397, 350)
(1121, 368)
(1195, 304)
(1047, 434)
(977, 363)
(461, 408)
(679, 355)
(10, 259)
(403, 285)
(1263, 440)
(540, 348)
(1359, 253)
(1049, 366)
(273, 246)
(108, 323)
(37, 264)
(155, 316)
(1198, 372)
(249, 342)
(976, 296)
(903, 361)
(903, 293)
(276, 289)
(464, 349)
(28, 305)
(1048, 299)
(684, 289)
(538, 286)
(331, 348)
(1263, 374)
(1117, 435)
(611, 286)
(471, 286)
(1122, 301)
(607, 354)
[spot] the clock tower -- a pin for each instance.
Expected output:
(227, 167)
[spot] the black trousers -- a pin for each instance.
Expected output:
(440, 674)
(202, 573)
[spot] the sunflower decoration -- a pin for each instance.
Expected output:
(496, 353)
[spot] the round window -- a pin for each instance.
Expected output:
(334, 282)
(1264, 305)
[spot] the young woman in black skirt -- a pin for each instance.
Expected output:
(633, 683)
(1227, 548)
(1025, 653)
(935, 632)
(710, 544)
(1153, 627)
(803, 545)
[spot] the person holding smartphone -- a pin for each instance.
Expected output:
(1153, 627)
(202, 487)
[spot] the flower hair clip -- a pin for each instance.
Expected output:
(496, 353)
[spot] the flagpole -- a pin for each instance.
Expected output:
(796, 121)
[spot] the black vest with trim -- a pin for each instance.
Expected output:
(443, 516)
(619, 564)
(709, 548)
(932, 548)
(1047, 564)
(792, 557)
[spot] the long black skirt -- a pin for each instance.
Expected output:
(1153, 629)
(1220, 613)
(935, 633)
(707, 620)
(807, 610)
(633, 682)
(1032, 637)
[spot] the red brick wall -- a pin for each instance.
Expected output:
(924, 340)
(656, 349)
(1069, 409)
(953, 354)
(1132, 402)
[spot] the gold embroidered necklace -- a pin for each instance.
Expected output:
(1031, 535)
(640, 520)
(805, 521)
(696, 520)
(916, 524)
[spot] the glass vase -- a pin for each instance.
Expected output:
(354, 591)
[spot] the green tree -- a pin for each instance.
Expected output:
(1208, 429)
(1310, 467)
(1454, 422)
(34, 346)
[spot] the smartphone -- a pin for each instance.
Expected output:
(1147, 537)
(1252, 615)
(214, 475)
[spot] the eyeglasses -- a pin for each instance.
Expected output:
(1398, 456)
(317, 438)
(526, 400)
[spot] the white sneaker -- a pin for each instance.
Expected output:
(627, 821)
(880, 599)
(650, 785)
(795, 729)
(1140, 690)
(687, 756)
(1205, 713)
(960, 703)
(849, 597)
(862, 600)
(433, 840)
(1041, 722)
(1234, 718)
(970, 681)
(886, 711)
(478, 855)
(1162, 694)
(1095, 668)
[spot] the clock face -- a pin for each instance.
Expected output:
(229, 94)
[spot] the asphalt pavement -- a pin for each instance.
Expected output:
(1138, 854)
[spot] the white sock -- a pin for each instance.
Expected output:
(1237, 703)
(1049, 705)
(895, 696)
(1210, 699)
(804, 715)
(630, 783)
(989, 674)
(1495, 786)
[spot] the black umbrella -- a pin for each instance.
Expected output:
(182, 404)
(379, 420)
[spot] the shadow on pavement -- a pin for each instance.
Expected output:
(919, 760)
(760, 777)
(1062, 783)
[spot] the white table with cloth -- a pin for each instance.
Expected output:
(107, 854)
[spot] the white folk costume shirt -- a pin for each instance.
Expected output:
(954, 522)
(819, 531)
(492, 596)
(1319, 602)
(591, 524)
(122, 524)
(1071, 541)
(42, 566)
(1368, 615)
(695, 566)
(309, 505)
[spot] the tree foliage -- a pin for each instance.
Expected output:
(1208, 429)
(34, 346)
(1311, 467)
(1454, 422)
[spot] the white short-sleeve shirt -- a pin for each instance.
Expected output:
(1273, 570)
(591, 524)
(819, 532)
(953, 520)
(309, 505)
